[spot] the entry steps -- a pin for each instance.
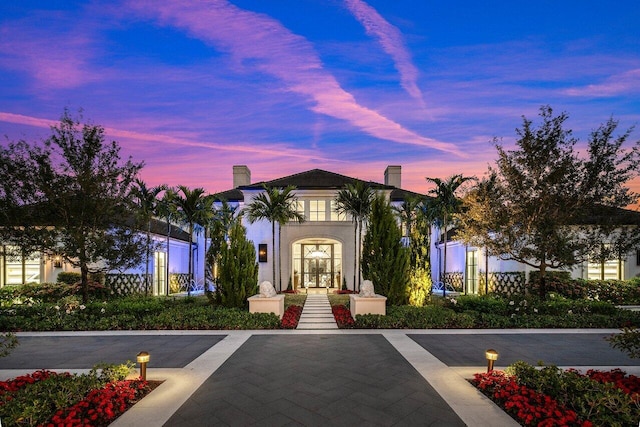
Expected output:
(316, 313)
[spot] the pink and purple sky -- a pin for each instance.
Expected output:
(284, 86)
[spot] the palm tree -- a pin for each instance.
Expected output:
(146, 200)
(167, 210)
(277, 206)
(446, 204)
(355, 200)
(225, 216)
(406, 213)
(191, 207)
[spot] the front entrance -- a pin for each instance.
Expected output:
(317, 265)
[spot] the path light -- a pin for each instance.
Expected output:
(491, 356)
(143, 359)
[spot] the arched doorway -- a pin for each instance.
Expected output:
(317, 263)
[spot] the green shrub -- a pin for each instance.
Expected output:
(628, 341)
(69, 277)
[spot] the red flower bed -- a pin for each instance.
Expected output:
(100, 407)
(344, 291)
(527, 406)
(291, 317)
(342, 316)
(23, 380)
(630, 384)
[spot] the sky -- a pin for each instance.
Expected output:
(283, 86)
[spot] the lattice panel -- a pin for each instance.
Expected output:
(455, 279)
(507, 283)
(126, 284)
(178, 282)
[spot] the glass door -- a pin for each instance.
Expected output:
(317, 266)
(160, 273)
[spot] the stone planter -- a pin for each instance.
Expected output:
(367, 305)
(258, 304)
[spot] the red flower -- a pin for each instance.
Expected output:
(291, 317)
(343, 316)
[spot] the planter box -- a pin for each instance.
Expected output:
(275, 305)
(367, 305)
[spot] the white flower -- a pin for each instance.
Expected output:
(82, 307)
(570, 311)
(454, 301)
(535, 310)
(102, 310)
(511, 303)
(68, 311)
(57, 307)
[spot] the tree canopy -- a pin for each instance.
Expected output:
(71, 196)
(547, 205)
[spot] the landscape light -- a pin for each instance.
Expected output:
(491, 356)
(143, 359)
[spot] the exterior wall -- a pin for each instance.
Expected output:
(456, 261)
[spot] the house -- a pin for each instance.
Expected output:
(320, 252)
(168, 264)
(470, 270)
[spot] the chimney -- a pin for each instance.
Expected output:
(393, 176)
(241, 176)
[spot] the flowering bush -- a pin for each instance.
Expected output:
(291, 317)
(22, 381)
(101, 406)
(48, 398)
(526, 405)
(344, 291)
(343, 316)
(556, 397)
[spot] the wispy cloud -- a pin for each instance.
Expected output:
(258, 42)
(391, 40)
(619, 84)
(271, 151)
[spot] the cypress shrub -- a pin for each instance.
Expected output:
(384, 261)
(237, 270)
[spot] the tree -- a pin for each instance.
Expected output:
(445, 205)
(238, 270)
(147, 202)
(73, 198)
(225, 217)
(192, 208)
(355, 201)
(384, 260)
(418, 217)
(547, 206)
(278, 207)
(167, 210)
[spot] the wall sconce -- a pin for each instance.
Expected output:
(491, 356)
(262, 252)
(143, 358)
(57, 261)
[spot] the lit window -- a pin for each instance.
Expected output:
(317, 210)
(610, 270)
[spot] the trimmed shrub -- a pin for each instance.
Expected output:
(69, 277)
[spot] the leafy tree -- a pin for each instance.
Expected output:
(355, 201)
(384, 260)
(278, 207)
(238, 270)
(445, 205)
(73, 198)
(147, 202)
(193, 208)
(419, 251)
(547, 206)
(224, 218)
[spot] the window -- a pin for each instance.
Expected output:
(317, 210)
(610, 270)
(18, 269)
(335, 216)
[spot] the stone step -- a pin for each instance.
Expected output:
(317, 314)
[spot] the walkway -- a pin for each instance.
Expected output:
(316, 313)
(339, 377)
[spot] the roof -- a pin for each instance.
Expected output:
(159, 226)
(315, 179)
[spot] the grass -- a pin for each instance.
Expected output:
(342, 299)
(294, 299)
